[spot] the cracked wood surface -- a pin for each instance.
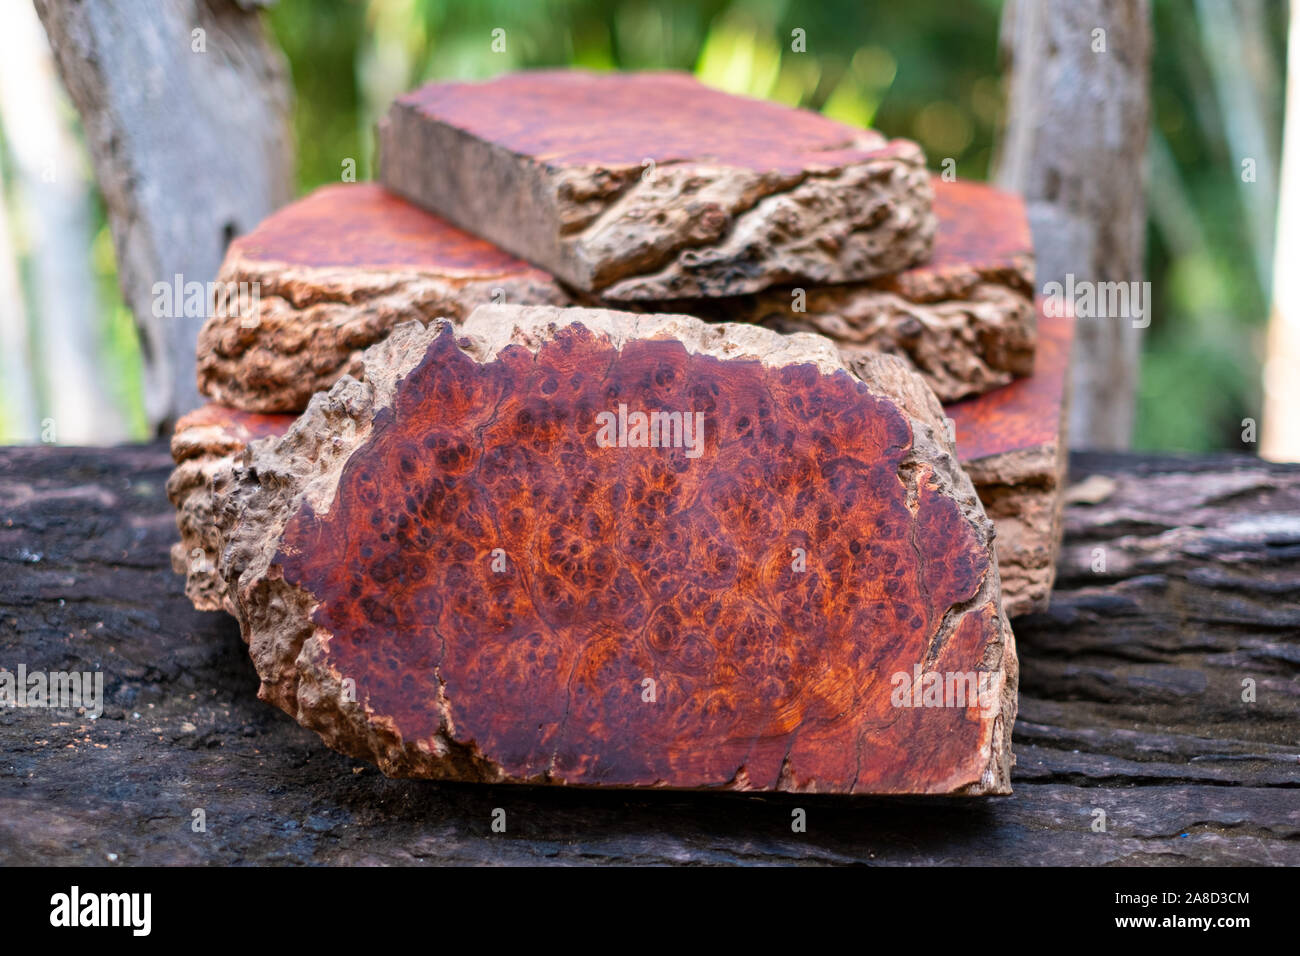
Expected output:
(651, 186)
(1130, 703)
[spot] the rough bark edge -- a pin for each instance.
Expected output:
(962, 347)
(307, 327)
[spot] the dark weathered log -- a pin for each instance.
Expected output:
(333, 273)
(596, 548)
(651, 186)
(1130, 704)
(189, 97)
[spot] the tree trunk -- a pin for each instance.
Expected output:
(186, 111)
(20, 421)
(1077, 110)
(1280, 438)
(60, 334)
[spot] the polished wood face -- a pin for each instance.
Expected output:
(484, 549)
(979, 225)
(1027, 413)
(363, 226)
(565, 118)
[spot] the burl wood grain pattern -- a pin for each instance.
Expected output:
(650, 186)
(1012, 442)
(964, 320)
(510, 600)
(333, 273)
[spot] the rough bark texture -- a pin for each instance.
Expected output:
(1075, 64)
(964, 320)
(205, 447)
(453, 537)
(651, 186)
(208, 130)
(333, 274)
(1012, 443)
(1130, 703)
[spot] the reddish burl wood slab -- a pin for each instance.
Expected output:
(333, 273)
(965, 320)
(445, 568)
(1012, 442)
(650, 186)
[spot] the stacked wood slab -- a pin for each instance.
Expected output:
(415, 389)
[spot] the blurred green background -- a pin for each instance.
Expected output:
(925, 69)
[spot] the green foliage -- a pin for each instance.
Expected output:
(1203, 351)
(927, 69)
(865, 63)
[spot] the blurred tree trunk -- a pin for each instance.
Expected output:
(1280, 429)
(67, 398)
(1077, 113)
(17, 390)
(185, 105)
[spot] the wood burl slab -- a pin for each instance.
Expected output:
(474, 563)
(965, 320)
(333, 273)
(645, 186)
(1013, 444)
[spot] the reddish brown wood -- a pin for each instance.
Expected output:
(499, 587)
(1012, 442)
(577, 119)
(334, 272)
(1027, 414)
(236, 428)
(983, 234)
(651, 186)
(363, 226)
(965, 320)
